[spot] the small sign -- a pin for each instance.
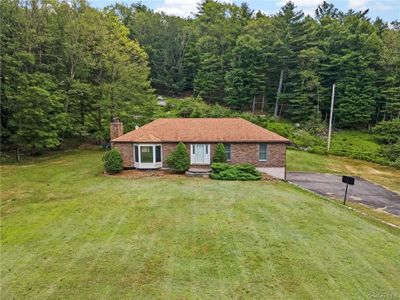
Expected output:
(348, 180)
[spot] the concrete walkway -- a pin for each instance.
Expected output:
(363, 191)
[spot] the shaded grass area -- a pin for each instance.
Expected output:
(69, 232)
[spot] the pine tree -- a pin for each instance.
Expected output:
(305, 102)
(209, 80)
(356, 85)
(178, 160)
(245, 79)
(390, 72)
(219, 155)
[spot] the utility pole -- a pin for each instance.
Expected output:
(330, 116)
(262, 103)
(278, 94)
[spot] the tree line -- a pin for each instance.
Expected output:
(283, 64)
(67, 68)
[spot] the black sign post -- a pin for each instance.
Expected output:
(347, 180)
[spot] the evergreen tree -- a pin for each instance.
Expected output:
(178, 160)
(306, 102)
(67, 67)
(219, 155)
(390, 72)
(113, 162)
(356, 85)
(209, 80)
(245, 79)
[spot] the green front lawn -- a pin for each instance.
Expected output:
(69, 232)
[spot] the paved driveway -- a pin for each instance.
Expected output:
(362, 191)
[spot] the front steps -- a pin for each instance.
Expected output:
(198, 172)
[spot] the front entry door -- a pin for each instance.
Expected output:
(200, 154)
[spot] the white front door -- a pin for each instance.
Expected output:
(200, 154)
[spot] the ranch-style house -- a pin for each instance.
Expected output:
(148, 147)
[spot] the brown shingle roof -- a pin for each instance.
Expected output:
(201, 130)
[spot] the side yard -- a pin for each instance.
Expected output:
(308, 162)
(388, 177)
(69, 232)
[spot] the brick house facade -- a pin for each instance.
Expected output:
(248, 143)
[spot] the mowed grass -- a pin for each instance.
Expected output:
(69, 232)
(308, 162)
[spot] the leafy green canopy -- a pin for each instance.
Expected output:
(67, 69)
(226, 54)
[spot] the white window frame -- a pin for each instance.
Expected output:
(192, 162)
(147, 165)
(266, 151)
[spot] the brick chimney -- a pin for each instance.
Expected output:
(116, 128)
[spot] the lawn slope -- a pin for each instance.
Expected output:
(69, 232)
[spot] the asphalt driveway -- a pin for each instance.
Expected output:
(362, 191)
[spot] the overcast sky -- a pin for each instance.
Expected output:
(388, 10)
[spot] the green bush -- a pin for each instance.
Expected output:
(281, 128)
(219, 155)
(388, 132)
(113, 161)
(193, 108)
(218, 167)
(396, 163)
(304, 139)
(358, 145)
(247, 168)
(178, 160)
(392, 151)
(321, 150)
(223, 171)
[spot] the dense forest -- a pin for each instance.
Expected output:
(67, 68)
(283, 64)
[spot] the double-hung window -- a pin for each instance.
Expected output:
(146, 154)
(228, 151)
(263, 152)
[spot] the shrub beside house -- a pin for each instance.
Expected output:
(178, 160)
(224, 171)
(219, 155)
(113, 161)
